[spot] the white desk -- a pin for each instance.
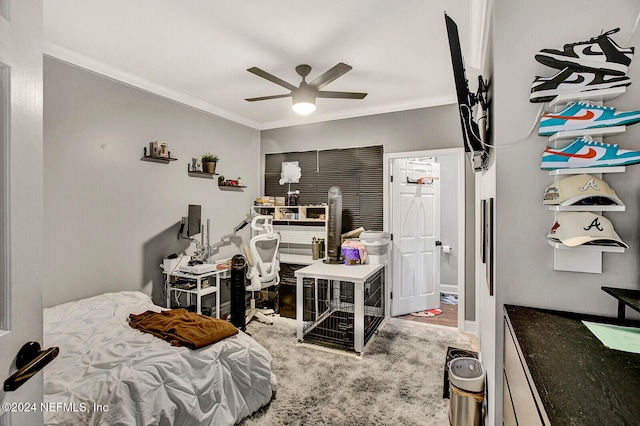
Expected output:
(357, 274)
(198, 291)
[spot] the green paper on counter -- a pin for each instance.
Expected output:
(616, 337)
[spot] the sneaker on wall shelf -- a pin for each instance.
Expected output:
(584, 152)
(570, 80)
(583, 115)
(600, 54)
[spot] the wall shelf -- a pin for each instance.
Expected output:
(593, 95)
(594, 133)
(587, 247)
(607, 208)
(584, 258)
(588, 170)
(203, 175)
(231, 187)
(294, 213)
(153, 159)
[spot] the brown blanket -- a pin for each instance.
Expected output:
(182, 328)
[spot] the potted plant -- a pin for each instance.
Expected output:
(209, 162)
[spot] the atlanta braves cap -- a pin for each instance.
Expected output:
(576, 228)
(581, 189)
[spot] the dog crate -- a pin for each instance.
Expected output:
(330, 308)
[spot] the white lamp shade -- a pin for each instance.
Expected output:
(304, 108)
(304, 101)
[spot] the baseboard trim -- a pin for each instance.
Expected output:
(449, 288)
(471, 327)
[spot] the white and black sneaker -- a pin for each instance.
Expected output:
(570, 80)
(598, 54)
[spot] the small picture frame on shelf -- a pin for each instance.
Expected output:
(159, 149)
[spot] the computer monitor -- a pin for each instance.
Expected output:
(194, 221)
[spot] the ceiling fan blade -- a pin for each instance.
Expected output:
(331, 75)
(343, 95)
(272, 78)
(264, 98)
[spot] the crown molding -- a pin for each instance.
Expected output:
(82, 61)
(361, 112)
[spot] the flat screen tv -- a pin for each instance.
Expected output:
(474, 131)
(194, 221)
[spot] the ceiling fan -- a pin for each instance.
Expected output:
(304, 96)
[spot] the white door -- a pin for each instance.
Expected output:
(416, 229)
(21, 202)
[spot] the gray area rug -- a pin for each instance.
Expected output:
(397, 382)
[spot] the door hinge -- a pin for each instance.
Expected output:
(391, 236)
(391, 296)
(391, 178)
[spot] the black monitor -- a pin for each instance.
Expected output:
(193, 220)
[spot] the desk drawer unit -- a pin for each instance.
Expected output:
(520, 406)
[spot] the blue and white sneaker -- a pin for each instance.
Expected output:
(584, 152)
(598, 54)
(584, 115)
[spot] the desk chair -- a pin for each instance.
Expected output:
(264, 264)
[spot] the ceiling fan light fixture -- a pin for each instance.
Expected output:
(304, 102)
(304, 96)
(304, 108)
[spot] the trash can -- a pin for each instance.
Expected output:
(377, 245)
(466, 381)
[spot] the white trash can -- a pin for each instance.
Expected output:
(377, 245)
(466, 380)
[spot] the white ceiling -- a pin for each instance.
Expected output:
(197, 51)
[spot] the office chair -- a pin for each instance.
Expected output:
(264, 264)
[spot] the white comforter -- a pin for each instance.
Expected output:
(108, 373)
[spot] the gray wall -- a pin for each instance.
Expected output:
(524, 265)
(449, 227)
(414, 130)
(111, 218)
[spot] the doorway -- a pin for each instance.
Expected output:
(427, 255)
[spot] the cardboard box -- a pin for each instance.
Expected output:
(280, 201)
(265, 201)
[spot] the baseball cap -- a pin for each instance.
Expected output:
(576, 228)
(581, 189)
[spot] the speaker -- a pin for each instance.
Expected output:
(334, 226)
(238, 292)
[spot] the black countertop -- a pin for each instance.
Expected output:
(579, 380)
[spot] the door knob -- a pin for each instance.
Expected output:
(438, 243)
(29, 361)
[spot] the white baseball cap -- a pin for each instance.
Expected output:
(576, 228)
(583, 189)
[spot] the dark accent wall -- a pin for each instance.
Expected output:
(357, 171)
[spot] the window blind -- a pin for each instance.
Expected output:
(357, 171)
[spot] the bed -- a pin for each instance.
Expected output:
(110, 373)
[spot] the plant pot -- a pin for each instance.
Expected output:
(209, 167)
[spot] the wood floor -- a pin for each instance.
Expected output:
(448, 317)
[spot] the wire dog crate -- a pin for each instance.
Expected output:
(329, 311)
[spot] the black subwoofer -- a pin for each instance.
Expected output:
(238, 286)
